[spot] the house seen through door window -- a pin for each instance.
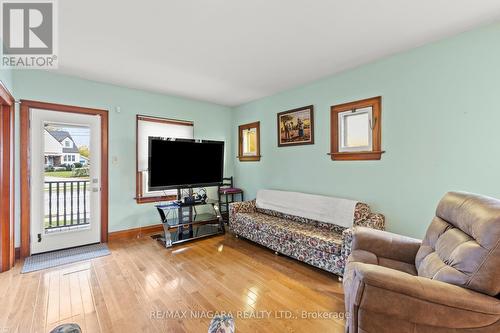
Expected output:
(66, 176)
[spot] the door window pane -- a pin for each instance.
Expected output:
(66, 190)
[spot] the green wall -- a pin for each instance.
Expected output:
(441, 131)
(6, 78)
(210, 122)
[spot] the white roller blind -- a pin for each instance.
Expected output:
(157, 127)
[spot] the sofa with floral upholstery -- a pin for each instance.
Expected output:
(321, 244)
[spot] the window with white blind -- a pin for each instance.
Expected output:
(156, 127)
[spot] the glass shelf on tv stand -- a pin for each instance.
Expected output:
(185, 222)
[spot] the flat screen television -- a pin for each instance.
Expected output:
(184, 163)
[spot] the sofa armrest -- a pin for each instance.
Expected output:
(395, 294)
(240, 207)
(364, 217)
(374, 221)
(346, 245)
(385, 244)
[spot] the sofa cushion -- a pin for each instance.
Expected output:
(462, 244)
(324, 260)
(306, 234)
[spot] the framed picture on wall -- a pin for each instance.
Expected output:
(296, 127)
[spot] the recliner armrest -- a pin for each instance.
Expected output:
(385, 244)
(420, 300)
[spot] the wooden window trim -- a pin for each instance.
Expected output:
(26, 105)
(376, 153)
(164, 120)
(241, 128)
(138, 177)
(142, 200)
(7, 251)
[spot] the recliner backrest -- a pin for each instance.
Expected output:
(462, 244)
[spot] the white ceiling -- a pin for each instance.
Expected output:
(234, 51)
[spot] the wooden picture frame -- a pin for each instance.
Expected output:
(296, 127)
(255, 156)
(375, 153)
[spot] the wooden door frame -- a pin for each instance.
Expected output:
(26, 105)
(7, 106)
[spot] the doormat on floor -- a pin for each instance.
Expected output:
(58, 258)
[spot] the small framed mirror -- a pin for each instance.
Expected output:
(249, 142)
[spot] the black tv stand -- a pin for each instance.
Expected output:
(184, 222)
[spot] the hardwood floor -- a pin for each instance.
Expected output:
(132, 289)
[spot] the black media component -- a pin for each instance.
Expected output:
(182, 163)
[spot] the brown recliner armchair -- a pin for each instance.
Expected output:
(449, 282)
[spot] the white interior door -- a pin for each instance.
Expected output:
(65, 164)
